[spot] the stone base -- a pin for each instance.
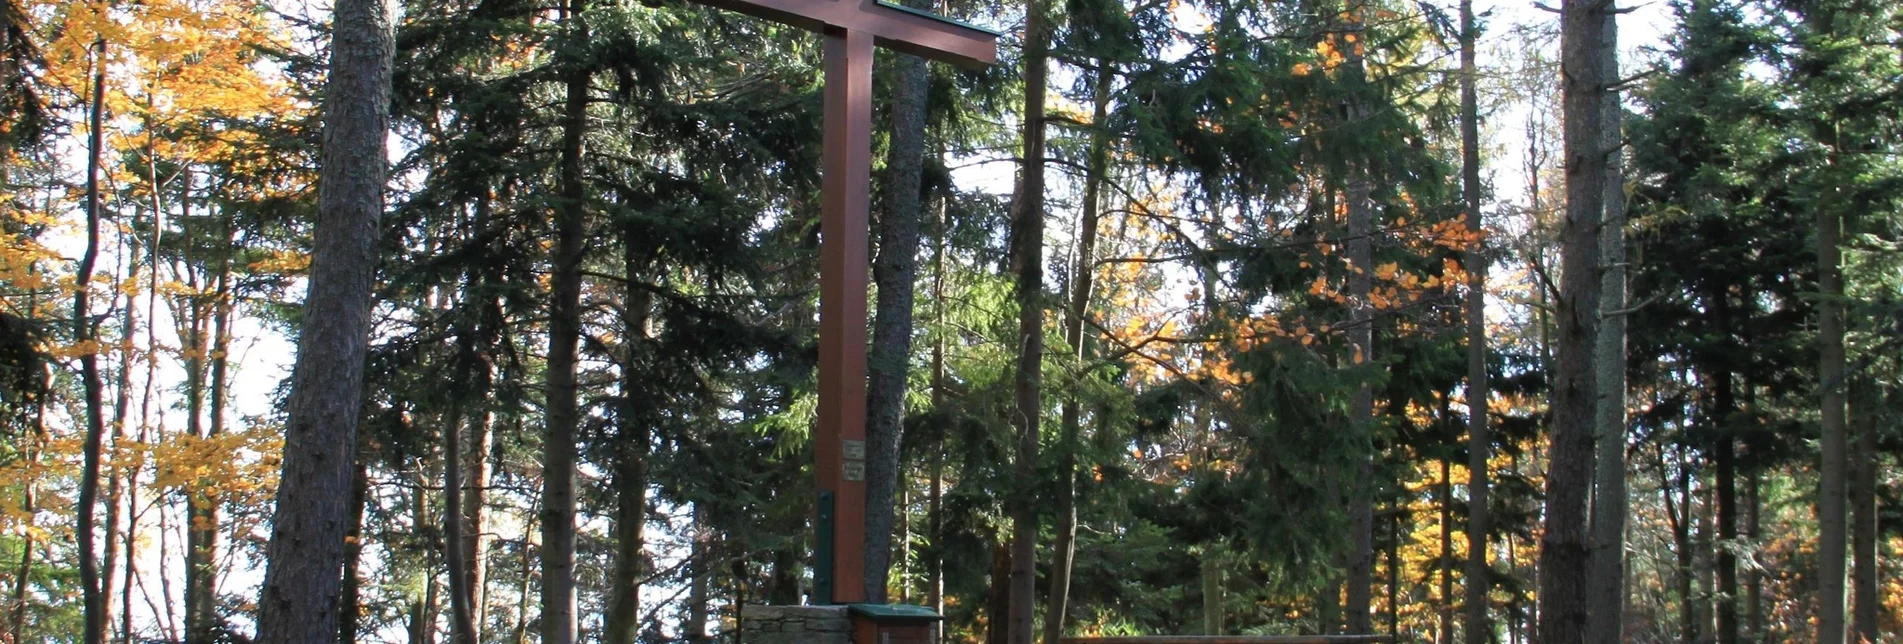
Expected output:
(829, 625)
(795, 625)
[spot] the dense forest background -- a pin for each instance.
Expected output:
(1198, 316)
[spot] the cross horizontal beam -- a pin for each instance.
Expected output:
(893, 27)
(1239, 639)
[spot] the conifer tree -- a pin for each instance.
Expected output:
(305, 558)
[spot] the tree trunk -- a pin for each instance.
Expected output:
(116, 483)
(895, 272)
(1606, 615)
(462, 619)
(475, 483)
(1360, 257)
(700, 568)
(1028, 257)
(1832, 471)
(1394, 572)
(422, 626)
(1863, 494)
(350, 598)
(934, 502)
(1565, 548)
(84, 327)
(1212, 589)
(1446, 561)
(1083, 272)
(1726, 457)
(998, 606)
(558, 444)
(29, 505)
(520, 633)
(630, 480)
(201, 560)
(475, 510)
(1479, 437)
(306, 552)
(191, 312)
(1677, 495)
(1754, 580)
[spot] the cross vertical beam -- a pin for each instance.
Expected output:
(846, 174)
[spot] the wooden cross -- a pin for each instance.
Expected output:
(852, 28)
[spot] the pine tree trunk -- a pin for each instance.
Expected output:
(1212, 590)
(1360, 257)
(1868, 600)
(462, 621)
(94, 627)
(422, 626)
(1479, 629)
(558, 456)
(475, 509)
(1833, 470)
(895, 272)
(1606, 615)
(1083, 272)
(350, 597)
(1726, 461)
(934, 502)
(998, 600)
(1028, 259)
(1565, 546)
(630, 477)
(785, 587)
(306, 552)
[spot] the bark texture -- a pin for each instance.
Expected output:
(301, 584)
(1028, 257)
(623, 621)
(1479, 438)
(1360, 595)
(1867, 601)
(1833, 470)
(895, 272)
(94, 628)
(1606, 621)
(1565, 546)
(1083, 270)
(558, 444)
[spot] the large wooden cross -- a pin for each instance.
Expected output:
(852, 28)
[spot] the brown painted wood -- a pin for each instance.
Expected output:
(852, 29)
(892, 27)
(844, 273)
